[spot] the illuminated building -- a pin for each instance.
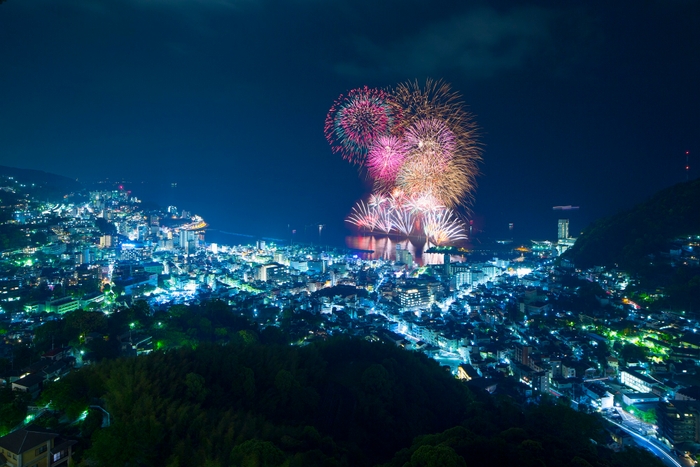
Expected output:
(414, 296)
(542, 247)
(131, 252)
(404, 256)
(564, 244)
(268, 271)
(678, 421)
(105, 241)
(563, 229)
(280, 257)
(318, 267)
(522, 354)
(10, 290)
(461, 279)
(188, 241)
(564, 240)
(35, 446)
(62, 305)
(637, 381)
(419, 294)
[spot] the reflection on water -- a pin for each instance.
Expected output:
(384, 247)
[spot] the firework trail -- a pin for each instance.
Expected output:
(355, 121)
(404, 221)
(377, 200)
(385, 221)
(363, 216)
(443, 227)
(398, 199)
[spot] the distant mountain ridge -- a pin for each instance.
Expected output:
(628, 238)
(47, 185)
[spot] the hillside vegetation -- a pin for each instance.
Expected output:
(344, 402)
(627, 238)
(639, 240)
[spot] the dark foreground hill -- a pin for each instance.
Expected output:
(340, 403)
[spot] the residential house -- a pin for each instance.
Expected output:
(35, 447)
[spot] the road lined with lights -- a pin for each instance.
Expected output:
(651, 445)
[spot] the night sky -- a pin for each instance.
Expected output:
(589, 103)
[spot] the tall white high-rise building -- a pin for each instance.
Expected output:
(404, 256)
(563, 229)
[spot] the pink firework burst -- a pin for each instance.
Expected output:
(357, 120)
(432, 140)
(385, 158)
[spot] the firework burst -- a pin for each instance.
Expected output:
(377, 200)
(385, 158)
(432, 140)
(404, 221)
(435, 100)
(443, 227)
(420, 147)
(444, 150)
(364, 217)
(355, 122)
(385, 221)
(424, 203)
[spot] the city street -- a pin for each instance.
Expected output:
(650, 443)
(635, 423)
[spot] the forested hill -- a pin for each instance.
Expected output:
(629, 237)
(41, 185)
(344, 402)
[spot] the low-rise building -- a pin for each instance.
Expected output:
(637, 381)
(36, 447)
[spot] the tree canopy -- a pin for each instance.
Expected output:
(342, 402)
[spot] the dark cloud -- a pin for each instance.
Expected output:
(479, 44)
(228, 4)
